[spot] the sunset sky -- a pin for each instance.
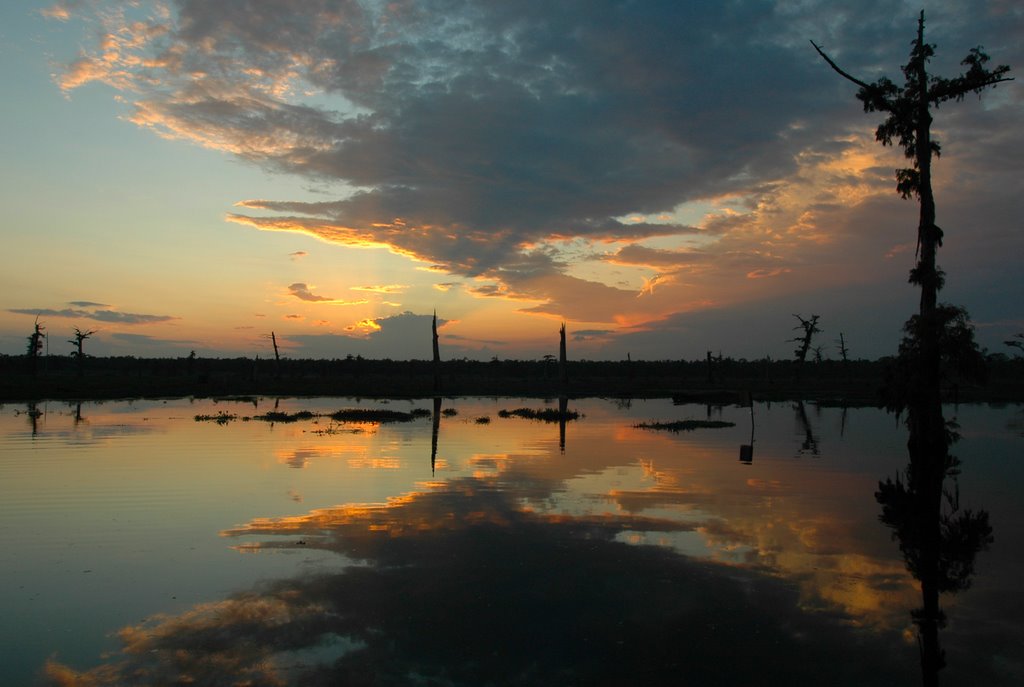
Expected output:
(667, 177)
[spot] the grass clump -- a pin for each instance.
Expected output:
(685, 425)
(279, 416)
(544, 414)
(221, 418)
(376, 415)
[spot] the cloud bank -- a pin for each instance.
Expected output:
(701, 152)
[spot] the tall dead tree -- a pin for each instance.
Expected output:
(277, 355)
(79, 353)
(844, 352)
(810, 328)
(437, 354)
(908, 123)
(35, 346)
(563, 371)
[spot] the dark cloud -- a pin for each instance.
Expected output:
(111, 316)
(507, 124)
(149, 341)
(591, 334)
(656, 257)
(470, 134)
(88, 304)
(302, 292)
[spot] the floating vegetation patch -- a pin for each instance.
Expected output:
(377, 415)
(544, 414)
(345, 415)
(685, 425)
(221, 418)
(332, 430)
(278, 416)
(236, 399)
(483, 420)
(449, 412)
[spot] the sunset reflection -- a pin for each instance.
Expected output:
(633, 555)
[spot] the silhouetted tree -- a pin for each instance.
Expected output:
(844, 352)
(437, 354)
(35, 346)
(1016, 342)
(714, 365)
(77, 342)
(959, 357)
(810, 328)
(915, 511)
(277, 355)
(79, 339)
(563, 372)
(909, 123)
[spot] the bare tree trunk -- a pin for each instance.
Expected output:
(437, 355)
(563, 372)
(277, 355)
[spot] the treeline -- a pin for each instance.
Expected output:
(715, 377)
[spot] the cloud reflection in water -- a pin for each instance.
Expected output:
(460, 584)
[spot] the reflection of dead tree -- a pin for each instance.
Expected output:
(33, 417)
(563, 411)
(810, 443)
(747, 450)
(435, 430)
(939, 542)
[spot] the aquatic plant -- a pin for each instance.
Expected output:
(685, 425)
(543, 414)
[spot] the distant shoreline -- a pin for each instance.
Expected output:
(722, 382)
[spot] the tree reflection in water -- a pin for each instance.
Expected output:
(939, 541)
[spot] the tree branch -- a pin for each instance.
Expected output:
(944, 92)
(839, 71)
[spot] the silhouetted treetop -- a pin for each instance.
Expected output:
(908, 105)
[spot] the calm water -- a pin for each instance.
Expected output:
(138, 546)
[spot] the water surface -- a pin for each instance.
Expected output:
(138, 545)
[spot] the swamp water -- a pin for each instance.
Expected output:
(140, 546)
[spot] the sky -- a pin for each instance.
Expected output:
(666, 177)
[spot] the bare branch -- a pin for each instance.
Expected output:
(839, 71)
